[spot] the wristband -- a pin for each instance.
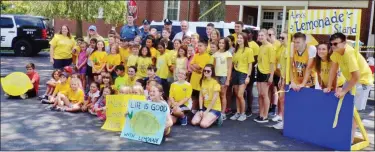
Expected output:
(200, 109)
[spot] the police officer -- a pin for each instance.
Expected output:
(129, 31)
(146, 29)
(168, 26)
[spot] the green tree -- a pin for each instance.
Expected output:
(215, 15)
(14, 7)
(80, 11)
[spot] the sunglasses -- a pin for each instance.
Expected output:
(334, 44)
(282, 38)
(207, 71)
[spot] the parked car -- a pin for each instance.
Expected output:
(26, 35)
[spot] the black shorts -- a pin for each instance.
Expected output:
(262, 77)
(276, 80)
(195, 94)
(61, 63)
(89, 71)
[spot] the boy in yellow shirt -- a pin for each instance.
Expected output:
(354, 68)
(197, 64)
(180, 98)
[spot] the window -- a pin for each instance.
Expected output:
(268, 15)
(6, 22)
(278, 30)
(29, 21)
(280, 16)
(267, 25)
(172, 9)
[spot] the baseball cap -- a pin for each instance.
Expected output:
(146, 22)
(167, 21)
(92, 27)
(68, 69)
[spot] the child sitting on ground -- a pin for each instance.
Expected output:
(180, 98)
(61, 88)
(34, 78)
(93, 96)
(51, 84)
(100, 105)
(71, 102)
(156, 96)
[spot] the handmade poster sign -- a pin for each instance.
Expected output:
(16, 83)
(145, 121)
(309, 115)
(116, 107)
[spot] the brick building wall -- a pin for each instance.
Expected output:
(232, 13)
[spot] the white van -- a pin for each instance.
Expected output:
(225, 29)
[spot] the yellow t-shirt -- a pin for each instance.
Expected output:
(75, 55)
(124, 53)
(142, 65)
(154, 53)
(179, 91)
(324, 74)
(221, 63)
(62, 88)
(162, 64)
(132, 60)
(209, 87)
(266, 57)
(76, 97)
(276, 44)
(352, 61)
(98, 59)
(300, 66)
(208, 49)
(63, 46)
(281, 60)
(130, 81)
(113, 59)
(201, 60)
(235, 37)
(173, 56)
(242, 58)
(181, 64)
(255, 47)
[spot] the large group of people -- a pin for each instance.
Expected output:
(197, 75)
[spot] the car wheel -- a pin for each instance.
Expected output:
(23, 48)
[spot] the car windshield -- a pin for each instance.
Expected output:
(29, 21)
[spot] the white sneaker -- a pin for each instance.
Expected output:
(242, 117)
(6, 95)
(235, 116)
(279, 125)
(23, 96)
(277, 118)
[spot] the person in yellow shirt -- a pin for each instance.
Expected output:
(131, 78)
(354, 68)
(62, 87)
(281, 64)
(163, 65)
(144, 60)
(72, 101)
(209, 100)
(242, 66)
(181, 61)
(323, 65)
(214, 47)
(180, 98)
(274, 88)
(124, 51)
(223, 71)
(113, 60)
(265, 74)
(150, 44)
(98, 58)
(61, 48)
(132, 59)
(121, 77)
(76, 50)
(238, 27)
(196, 65)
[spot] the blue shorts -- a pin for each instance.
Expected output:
(215, 112)
(238, 78)
(61, 63)
(222, 79)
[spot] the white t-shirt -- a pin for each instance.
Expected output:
(221, 63)
(312, 51)
(179, 35)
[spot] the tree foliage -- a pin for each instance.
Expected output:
(216, 15)
(15, 7)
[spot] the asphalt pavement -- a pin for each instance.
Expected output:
(26, 125)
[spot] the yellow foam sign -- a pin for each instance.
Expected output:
(16, 83)
(116, 107)
(328, 21)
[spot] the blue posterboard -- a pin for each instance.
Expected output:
(309, 116)
(145, 121)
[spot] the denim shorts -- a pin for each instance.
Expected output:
(215, 112)
(238, 78)
(222, 79)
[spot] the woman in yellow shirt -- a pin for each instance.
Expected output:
(322, 66)
(180, 98)
(98, 58)
(209, 100)
(113, 60)
(144, 60)
(266, 68)
(242, 65)
(61, 48)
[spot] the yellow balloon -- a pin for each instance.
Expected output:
(16, 83)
